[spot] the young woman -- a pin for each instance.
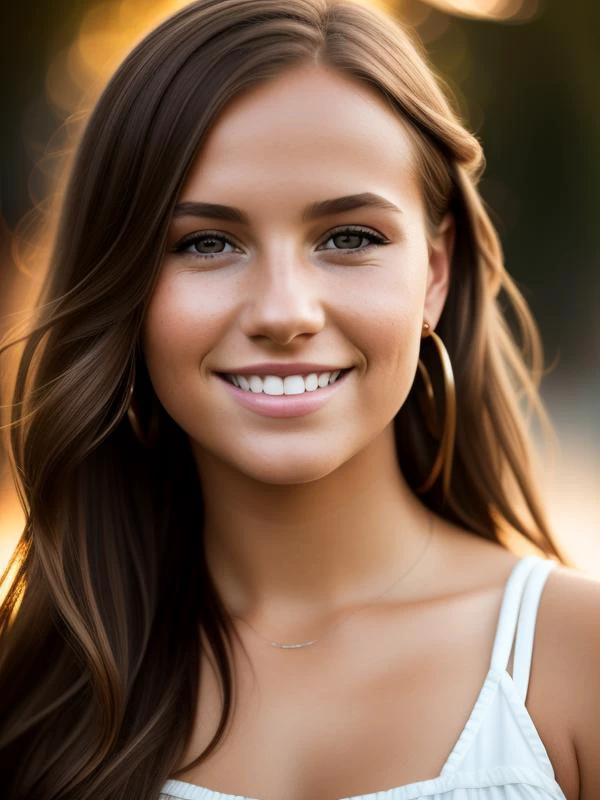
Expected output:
(268, 435)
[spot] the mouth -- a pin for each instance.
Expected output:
(288, 386)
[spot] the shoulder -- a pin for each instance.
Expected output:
(568, 636)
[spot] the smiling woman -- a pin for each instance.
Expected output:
(271, 390)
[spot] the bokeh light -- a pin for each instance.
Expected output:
(505, 10)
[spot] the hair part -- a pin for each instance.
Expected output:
(100, 646)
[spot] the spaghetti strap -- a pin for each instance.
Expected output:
(526, 625)
(509, 610)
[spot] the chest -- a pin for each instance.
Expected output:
(374, 712)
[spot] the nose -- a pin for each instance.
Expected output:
(283, 301)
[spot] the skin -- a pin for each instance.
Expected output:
(308, 519)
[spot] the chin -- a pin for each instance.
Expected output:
(289, 470)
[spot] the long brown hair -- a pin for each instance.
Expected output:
(99, 631)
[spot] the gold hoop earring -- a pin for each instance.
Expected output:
(147, 439)
(447, 434)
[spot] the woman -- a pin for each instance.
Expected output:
(268, 437)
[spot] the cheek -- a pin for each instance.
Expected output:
(180, 327)
(388, 333)
(391, 346)
(392, 316)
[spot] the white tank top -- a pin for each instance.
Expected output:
(499, 755)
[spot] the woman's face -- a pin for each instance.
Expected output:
(342, 287)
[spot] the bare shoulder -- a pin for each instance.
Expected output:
(564, 689)
(568, 639)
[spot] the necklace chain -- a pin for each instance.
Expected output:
(295, 646)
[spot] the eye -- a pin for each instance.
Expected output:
(346, 235)
(212, 239)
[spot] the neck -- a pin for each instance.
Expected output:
(281, 553)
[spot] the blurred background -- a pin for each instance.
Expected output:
(524, 74)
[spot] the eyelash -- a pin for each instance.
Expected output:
(376, 240)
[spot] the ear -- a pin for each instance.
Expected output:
(441, 248)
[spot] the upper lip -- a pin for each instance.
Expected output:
(272, 368)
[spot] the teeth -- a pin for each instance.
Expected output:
(273, 384)
(291, 384)
(310, 383)
(256, 384)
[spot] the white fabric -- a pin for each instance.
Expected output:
(499, 754)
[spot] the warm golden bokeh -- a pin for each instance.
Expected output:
(11, 525)
(516, 10)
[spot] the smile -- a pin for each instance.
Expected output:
(269, 398)
(289, 385)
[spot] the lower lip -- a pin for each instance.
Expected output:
(285, 405)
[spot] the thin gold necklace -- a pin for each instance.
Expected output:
(295, 646)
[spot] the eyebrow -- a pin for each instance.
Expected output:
(322, 208)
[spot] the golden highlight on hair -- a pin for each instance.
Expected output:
(111, 603)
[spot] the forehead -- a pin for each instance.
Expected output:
(310, 131)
